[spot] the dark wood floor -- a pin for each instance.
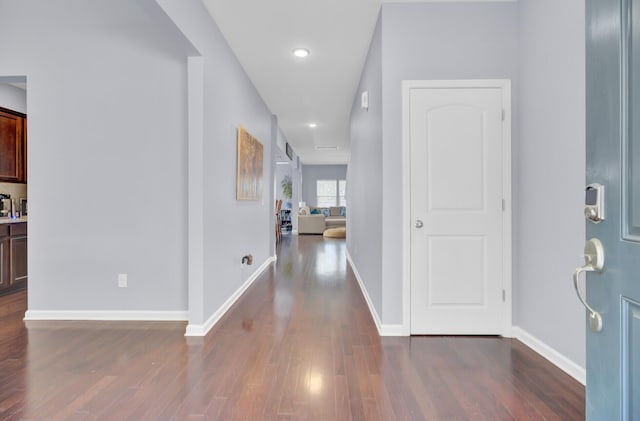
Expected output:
(299, 345)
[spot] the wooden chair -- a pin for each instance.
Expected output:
(278, 221)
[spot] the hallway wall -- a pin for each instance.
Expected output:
(106, 101)
(454, 41)
(13, 98)
(107, 112)
(543, 54)
(313, 173)
(552, 169)
(364, 176)
(232, 228)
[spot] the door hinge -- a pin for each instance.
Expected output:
(504, 295)
(504, 114)
(504, 205)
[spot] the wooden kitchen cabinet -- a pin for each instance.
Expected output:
(5, 257)
(13, 146)
(18, 243)
(13, 257)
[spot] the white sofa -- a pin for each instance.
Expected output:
(311, 224)
(317, 223)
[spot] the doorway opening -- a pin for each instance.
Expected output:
(13, 184)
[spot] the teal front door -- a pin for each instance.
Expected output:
(613, 160)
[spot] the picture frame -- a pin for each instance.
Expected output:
(23, 206)
(250, 166)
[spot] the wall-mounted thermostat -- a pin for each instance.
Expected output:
(594, 203)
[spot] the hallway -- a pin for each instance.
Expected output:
(299, 345)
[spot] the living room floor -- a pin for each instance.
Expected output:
(300, 344)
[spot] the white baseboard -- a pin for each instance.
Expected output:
(203, 329)
(383, 330)
(555, 357)
(372, 309)
(392, 330)
(509, 332)
(114, 315)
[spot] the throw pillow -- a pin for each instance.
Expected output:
(335, 211)
(326, 212)
(315, 211)
(303, 211)
(343, 211)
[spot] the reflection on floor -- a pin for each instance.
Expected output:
(300, 344)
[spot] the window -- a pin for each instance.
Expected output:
(326, 193)
(331, 193)
(342, 192)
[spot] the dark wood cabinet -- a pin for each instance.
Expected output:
(13, 257)
(18, 240)
(13, 146)
(5, 258)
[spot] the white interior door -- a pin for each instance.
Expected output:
(457, 207)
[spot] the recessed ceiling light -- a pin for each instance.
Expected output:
(312, 125)
(326, 148)
(300, 52)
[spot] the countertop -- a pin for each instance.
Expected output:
(12, 221)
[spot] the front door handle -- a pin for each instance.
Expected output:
(419, 224)
(594, 262)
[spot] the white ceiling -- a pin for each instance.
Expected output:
(320, 88)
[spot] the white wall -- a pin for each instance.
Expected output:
(13, 98)
(107, 121)
(543, 54)
(232, 228)
(364, 176)
(551, 168)
(312, 173)
(433, 41)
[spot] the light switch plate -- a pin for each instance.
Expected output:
(122, 280)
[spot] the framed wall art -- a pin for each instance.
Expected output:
(250, 168)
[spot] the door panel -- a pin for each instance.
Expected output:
(631, 357)
(455, 158)
(456, 147)
(10, 147)
(632, 153)
(613, 145)
(453, 284)
(18, 260)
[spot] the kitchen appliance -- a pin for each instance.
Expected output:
(5, 205)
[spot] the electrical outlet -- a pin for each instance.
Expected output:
(122, 280)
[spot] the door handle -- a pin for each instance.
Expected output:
(594, 262)
(419, 224)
